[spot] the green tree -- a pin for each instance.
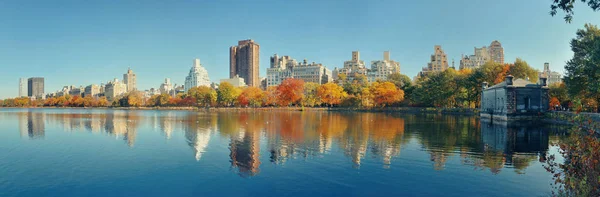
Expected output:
(520, 69)
(227, 94)
(401, 81)
(206, 96)
(567, 7)
(559, 90)
(583, 70)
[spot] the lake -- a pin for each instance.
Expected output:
(95, 152)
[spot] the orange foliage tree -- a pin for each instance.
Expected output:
(386, 93)
(251, 96)
(331, 93)
(290, 91)
(270, 96)
(554, 102)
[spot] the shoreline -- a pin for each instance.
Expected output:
(407, 110)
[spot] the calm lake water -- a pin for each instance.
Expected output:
(70, 152)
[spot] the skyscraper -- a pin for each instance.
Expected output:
(35, 87)
(130, 80)
(197, 76)
(244, 62)
(23, 87)
(496, 52)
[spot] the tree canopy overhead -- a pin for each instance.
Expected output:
(567, 7)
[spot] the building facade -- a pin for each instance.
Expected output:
(92, 90)
(438, 61)
(130, 80)
(514, 100)
(351, 68)
(381, 69)
(35, 87)
(23, 92)
(285, 67)
(114, 89)
(244, 62)
(496, 52)
(236, 81)
(77, 91)
(197, 76)
(480, 57)
(166, 87)
(552, 76)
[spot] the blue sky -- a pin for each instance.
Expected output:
(84, 42)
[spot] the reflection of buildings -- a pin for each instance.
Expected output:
(245, 152)
(32, 125)
(197, 134)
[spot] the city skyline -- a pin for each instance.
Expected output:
(87, 46)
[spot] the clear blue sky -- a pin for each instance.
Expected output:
(84, 42)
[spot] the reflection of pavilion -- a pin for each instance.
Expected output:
(32, 125)
(245, 152)
(518, 145)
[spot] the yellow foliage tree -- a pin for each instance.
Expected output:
(385, 93)
(331, 93)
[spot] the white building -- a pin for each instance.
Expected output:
(353, 67)
(438, 61)
(130, 80)
(480, 57)
(552, 76)
(23, 87)
(197, 76)
(114, 89)
(285, 67)
(92, 90)
(381, 69)
(166, 87)
(236, 81)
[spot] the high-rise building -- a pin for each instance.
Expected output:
(244, 62)
(197, 76)
(552, 76)
(130, 80)
(480, 57)
(166, 87)
(114, 89)
(496, 52)
(23, 92)
(35, 87)
(380, 69)
(351, 68)
(285, 67)
(438, 61)
(92, 90)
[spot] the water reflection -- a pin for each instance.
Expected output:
(306, 135)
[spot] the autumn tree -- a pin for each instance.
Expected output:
(270, 96)
(227, 94)
(206, 96)
(554, 102)
(385, 93)
(251, 96)
(331, 94)
(310, 97)
(290, 91)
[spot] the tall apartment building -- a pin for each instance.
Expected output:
(285, 67)
(166, 87)
(129, 79)
(480, 57)
(351, 68)
(380, 69)
(552, 76)
(438, 61)
(114, 89)
(496, 52)
(244, 62)
(23, 92)
(92, 90)
(197, 76)
(35, 87)
(77, 91)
